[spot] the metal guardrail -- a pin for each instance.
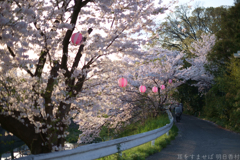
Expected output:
(102, 149)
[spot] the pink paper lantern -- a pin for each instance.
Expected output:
(170, 81)
(162, 87)
(122, 82)
(142, 89)
(154, 89)
(76, 38)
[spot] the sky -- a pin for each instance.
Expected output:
(192, 3)
(209, 3)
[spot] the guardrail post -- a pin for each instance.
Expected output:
(167, 134)
(153, 142)
(119, 150)
(120, 154)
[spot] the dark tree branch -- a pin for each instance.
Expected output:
(49, 89)
(69, 32)
(185, 18)
(41, 33)
(14, 55)
(25, 133)
(70, 82)
(11, 51)
(19, 6)
(112, 22)
(41, 63)
(79, 54)
(78, 87)
(115, 38)
(29, 72)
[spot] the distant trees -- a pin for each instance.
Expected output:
(198, 78)
(223, 99)
(183, 27)
(220, 100)
(228, 38)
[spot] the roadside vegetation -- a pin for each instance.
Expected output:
(219, 103)
(144, 150)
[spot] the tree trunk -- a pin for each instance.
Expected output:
(33, 140)
(12, 155)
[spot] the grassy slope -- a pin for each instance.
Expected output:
(145, 150)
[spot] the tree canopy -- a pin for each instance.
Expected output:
(222, 100)
(182, 27)
(46, 81)
(228, 38)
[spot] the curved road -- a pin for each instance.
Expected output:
(200, 140)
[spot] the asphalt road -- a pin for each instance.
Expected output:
(200, 140)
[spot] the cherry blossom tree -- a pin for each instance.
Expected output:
(60, 81)
(198, 71)
(154, 68)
